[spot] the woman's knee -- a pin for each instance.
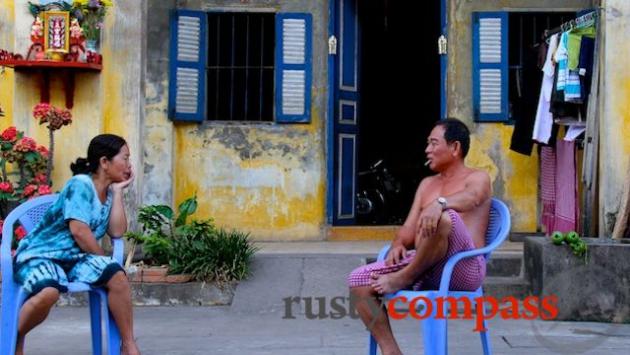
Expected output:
(47, 297)
(118, 282)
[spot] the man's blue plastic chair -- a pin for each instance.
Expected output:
(28, 215)
(434, 331)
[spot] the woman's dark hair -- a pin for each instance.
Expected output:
(103, 145)
(456, 130)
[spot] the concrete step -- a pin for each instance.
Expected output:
(505, 264)
(500, 287)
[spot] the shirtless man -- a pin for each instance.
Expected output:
(449, 215)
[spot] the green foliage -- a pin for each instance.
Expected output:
(196, 247)
(212, 254)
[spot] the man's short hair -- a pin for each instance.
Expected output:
(456, 130)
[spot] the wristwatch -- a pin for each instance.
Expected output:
(442, 201)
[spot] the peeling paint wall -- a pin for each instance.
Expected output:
(265, 178)
(514, 176)
(7, 39)
(614, 151)
(111, 101)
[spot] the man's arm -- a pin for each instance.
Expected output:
(406, 235)
(476, 191)
(82, 234)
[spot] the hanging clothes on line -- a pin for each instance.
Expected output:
(544, 119)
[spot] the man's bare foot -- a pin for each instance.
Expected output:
(130, 348)
(389, 283)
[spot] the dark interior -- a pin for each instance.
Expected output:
(400, 94)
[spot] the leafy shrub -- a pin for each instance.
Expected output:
(196, 248)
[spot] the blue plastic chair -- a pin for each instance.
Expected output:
(434, 331)
(14, 296)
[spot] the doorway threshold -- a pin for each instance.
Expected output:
(365, 233)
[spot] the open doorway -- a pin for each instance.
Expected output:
(399, 103)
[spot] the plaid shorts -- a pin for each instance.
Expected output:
(468, 274)
(36, 274)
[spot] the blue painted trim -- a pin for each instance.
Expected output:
(306, 67)
(200, 65)
(443, 60)
(330, 119)
(503, 116)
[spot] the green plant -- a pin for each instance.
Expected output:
(196, 247)
(211, 254)
(158, 229)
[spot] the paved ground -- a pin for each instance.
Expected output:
(221, 330)
(254, 323)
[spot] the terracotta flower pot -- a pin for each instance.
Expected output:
(156, 274)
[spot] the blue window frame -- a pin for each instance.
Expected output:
(490, 66)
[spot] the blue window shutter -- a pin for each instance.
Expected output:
(490, 66)
(293, 67)
(187, 67)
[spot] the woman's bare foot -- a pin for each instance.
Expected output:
(389, 283)
(130, 348)
(19, 346)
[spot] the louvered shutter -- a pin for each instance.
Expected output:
(187, 77)
(293, 67)
(490, 66)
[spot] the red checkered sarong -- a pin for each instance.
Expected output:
(468, 274)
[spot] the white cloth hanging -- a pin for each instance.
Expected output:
(544, 119)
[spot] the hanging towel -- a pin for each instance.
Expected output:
(573, 87)
(585, 67)
(548, 187)
(574, 42)
(544, 118)
(566, 187)
(561, 57)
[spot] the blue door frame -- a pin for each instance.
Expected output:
(336, 110)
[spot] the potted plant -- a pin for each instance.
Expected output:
(196, 248)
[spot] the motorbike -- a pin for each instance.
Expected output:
(379, 192)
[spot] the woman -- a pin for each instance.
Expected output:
(63, 247)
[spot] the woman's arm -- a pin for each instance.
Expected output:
(117, 219)
(84, 237)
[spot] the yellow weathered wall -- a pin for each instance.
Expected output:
(514, 176)
(6, 76)
(266, 181)
(264, 178)
(614, 151)
(107, 102)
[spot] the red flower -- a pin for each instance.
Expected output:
(43, 151)
(41, 111)
(9, 134)
(20, 233)
(26, 144)
(44, 190)
(40, 178)
(55, 117)
(29, 190)
(6, 186)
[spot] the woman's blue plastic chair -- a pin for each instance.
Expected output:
(434, 331)
(13, 295)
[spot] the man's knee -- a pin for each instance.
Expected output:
(444, 225)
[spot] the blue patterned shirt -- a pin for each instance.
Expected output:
(51, 238)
